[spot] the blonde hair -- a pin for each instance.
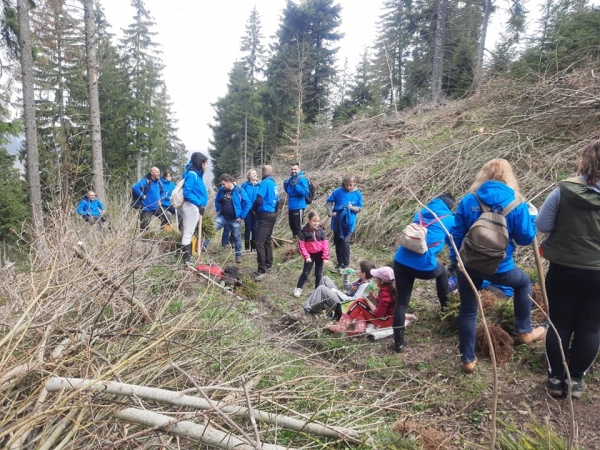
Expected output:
(249, 172)
(497, 169)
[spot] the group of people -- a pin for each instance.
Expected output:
(571, 216)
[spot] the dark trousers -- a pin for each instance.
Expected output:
(146, 216)
(342, 249)
(467, 316)
(251, 225)
(264, 246)
(405, 279)
(295, 218)
(317, 261)
(574, 300)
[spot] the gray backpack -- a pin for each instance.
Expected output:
(484, 246)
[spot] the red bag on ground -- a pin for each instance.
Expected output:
(214, 272)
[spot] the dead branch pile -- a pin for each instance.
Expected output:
(540, 128)
(113, 307)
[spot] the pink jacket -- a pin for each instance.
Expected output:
(313, 241)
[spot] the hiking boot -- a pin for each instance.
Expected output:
(577, 388)
(360, 326)
(468, 367)
(341, 326)
(297, 292)
(260, 276)
(187, 253)
(537, 334)
(555, 387)
(238, 259)
(268, 269)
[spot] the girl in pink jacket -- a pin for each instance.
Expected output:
(314, 248)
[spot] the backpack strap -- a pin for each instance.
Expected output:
(512, 205)
(430, 223)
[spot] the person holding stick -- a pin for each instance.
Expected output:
(571, 214)
(195, 200)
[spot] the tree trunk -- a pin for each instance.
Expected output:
(438, 55)
(479, 68)
(92, 73)
(33, 162)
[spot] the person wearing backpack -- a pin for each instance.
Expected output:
(232, 206)
(251, 186)
(342, 206)
(571, 215)
(495, 189)
(151, 192)
(423, 265)
(195, 200)
(297, 189)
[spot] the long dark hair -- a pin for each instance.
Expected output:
(589, 166)
(198, 159)
(392, 286)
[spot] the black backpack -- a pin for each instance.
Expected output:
(311, 190)
(230, 276)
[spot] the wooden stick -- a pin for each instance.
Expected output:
(199, 242)
(287, 241)
(540, 270)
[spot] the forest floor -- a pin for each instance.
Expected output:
(435, 402)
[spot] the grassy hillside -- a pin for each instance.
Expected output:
(120, 308)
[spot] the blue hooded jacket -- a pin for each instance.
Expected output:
(194, 190)
(340, 198)
(169, 186)
(90, 208)
(155, 192)
(297, 190)
(251, 190)
(269, 191)
(436, 237)
(496, 195)
(240, 201)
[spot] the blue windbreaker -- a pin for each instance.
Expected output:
(251, 190)
(90, 208)
(340, 197)
(169, 186)
(496, 195)
(297, 190)
(154, 194)
(436, 237)
(239, 198)
(269, 191)
(194, 190)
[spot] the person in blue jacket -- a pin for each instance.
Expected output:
(251, 186)
(265, 207)
(409, 265)
(496, 186)
(297, 189)
(342, 206)
(167, 181)
(232, 206)
(195, 200)
(152, 192)
(91, 209)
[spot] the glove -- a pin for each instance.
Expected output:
(451, 269)
(201, 210)
(353, 208)
(532, 209)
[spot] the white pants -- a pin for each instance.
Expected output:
(191, 215)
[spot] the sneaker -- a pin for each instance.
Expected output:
(537, 334)
(238, 260)
(577, 388)
(260, 276)
(468, 367)
(268, 269)
(555, 387)
(297, 292)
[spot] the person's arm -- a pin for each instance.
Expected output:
(259, 200)
(81, 208)
(524, 229)
(383, 304)
(546, 218)
(100, 207)
(217, 200)
(302, 249)
(460, 228)
(138, 188)
(357, 205)
(245, 203)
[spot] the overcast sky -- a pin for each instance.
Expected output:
(200, 41)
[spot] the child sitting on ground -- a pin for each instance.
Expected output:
(377, 311)
(314, 248)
